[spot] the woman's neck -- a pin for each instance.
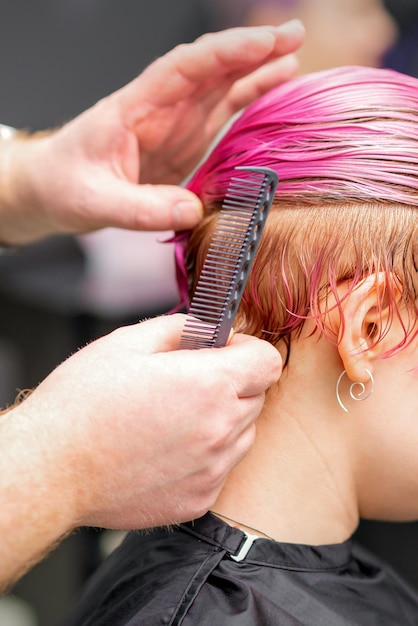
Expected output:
(297, 483)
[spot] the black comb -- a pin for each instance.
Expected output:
(229, 258)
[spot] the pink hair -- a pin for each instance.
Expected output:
(337, 137)
(346, 133)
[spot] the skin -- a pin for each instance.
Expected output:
(127, 433)
(314, 470)
(153, 131)
(339, 32)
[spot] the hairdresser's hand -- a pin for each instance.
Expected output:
(153, 131)
(127, 433)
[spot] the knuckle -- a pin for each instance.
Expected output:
(250, 408)
(204, 499)
(222, 433)
(248, 438)
(215, 473)
(202, 504)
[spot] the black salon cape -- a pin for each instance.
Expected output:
(186, 576)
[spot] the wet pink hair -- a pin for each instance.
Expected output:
(343, 133)
(337, 137)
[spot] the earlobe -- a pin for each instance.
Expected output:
(365, 310)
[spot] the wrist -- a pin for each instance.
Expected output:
(21, 212)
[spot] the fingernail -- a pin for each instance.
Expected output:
(187, 213)
(292, 25)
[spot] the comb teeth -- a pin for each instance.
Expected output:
(229, 258)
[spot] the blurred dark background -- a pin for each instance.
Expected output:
(58, 57)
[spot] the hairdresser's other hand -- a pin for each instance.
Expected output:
(127, 433)
(153, 131)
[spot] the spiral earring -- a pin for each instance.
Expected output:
(361, 395)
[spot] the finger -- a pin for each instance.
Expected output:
(238, 50)
(250, 409)
(239, 449)
(235, 49)
(160, 334)
(247, 440)
(253, 365)
(247, 89)
(262, 80)
(148, 207)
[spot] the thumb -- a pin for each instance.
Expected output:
(161, 334)
(150, 207)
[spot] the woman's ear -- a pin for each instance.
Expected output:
(366, 312)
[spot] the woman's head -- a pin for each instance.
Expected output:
(334, 286)
(344, 143)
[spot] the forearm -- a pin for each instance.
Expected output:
(36, 494)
